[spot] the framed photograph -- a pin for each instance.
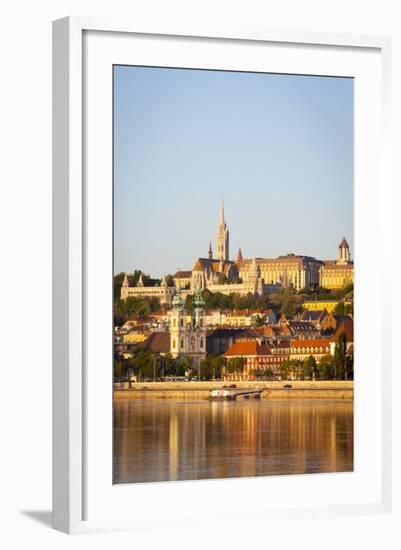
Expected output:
(219, 206)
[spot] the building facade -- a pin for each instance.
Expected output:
(259, 361)
(289, 271)
(338, 273)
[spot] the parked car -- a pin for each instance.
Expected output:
(287, 386)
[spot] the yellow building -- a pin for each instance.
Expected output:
(338, 273)
(320, 305)
(182, 279)
(135, 337)
(288, 271)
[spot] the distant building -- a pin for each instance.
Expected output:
(259, 360)
(328, 305)
(290, 271)
(163, 293)
(247, 318)
(182, 279)
(346, 327)
(302, 349)
(338, 273)
(316, 317)
(302, 330)
(256, 276)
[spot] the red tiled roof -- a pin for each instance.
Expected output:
(309, 343)
(247, 348)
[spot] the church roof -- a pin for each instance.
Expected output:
(239, 256)
(344, 244)
(182, 275)
(158, 342)
(212, 264)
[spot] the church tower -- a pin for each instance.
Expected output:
(222, 237)
(188, 339)
(343, 252)
(178, 326)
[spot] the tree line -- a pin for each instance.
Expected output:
(145, 365)
(288, 301)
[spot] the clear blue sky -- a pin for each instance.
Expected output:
(277, 148)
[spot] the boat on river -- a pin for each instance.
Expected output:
(231, 394)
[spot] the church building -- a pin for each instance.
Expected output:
(188, 338)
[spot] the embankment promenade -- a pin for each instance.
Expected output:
(200, 390)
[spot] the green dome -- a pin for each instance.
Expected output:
(199, 302)
(178, 302)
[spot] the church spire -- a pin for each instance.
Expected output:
(125, 281)
(210, 254)
(222, 220)
(222, 237)
(239, 257)
(140, 282)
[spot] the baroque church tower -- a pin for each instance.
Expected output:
(222, 237)
(188, 330)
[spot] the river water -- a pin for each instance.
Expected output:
(163, 439)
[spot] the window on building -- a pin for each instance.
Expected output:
(174, 322)
(173, 344)
(182, 343)
(182, 322)
(201, 343)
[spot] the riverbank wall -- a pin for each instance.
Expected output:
(200, 390)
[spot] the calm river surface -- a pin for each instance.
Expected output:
(163, 439)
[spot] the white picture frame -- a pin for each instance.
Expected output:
(71, 248)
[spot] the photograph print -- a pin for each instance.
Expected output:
(233, 275)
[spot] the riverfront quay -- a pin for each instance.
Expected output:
(201, 390)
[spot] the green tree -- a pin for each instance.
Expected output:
(170, 280)
(235, 366)
(349, 365)
(349, 309)
(339, 309)
(117, 368)
(326, 367)
(117, 283)
(284, 370)
(183, 366)
(222, 280)
(340, 356)
(144, 361)
(262, 374)
(260, 321)
(310, 370)
(211, 366)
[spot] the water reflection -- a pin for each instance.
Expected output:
(159, 440)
